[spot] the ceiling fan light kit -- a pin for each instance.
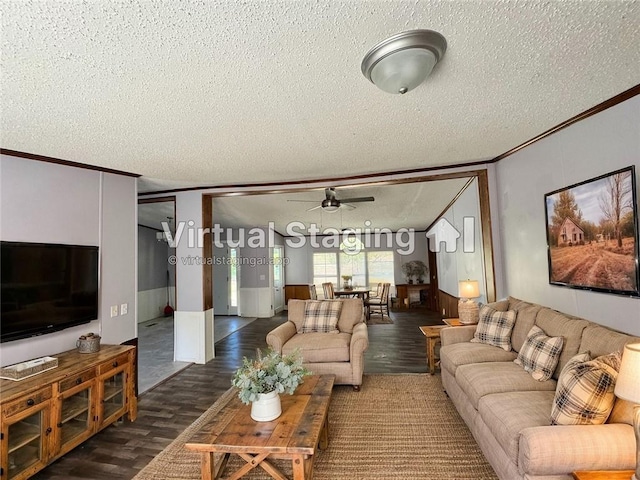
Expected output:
(331, 204)
(402, 62)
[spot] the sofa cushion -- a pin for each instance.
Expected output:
(494, 328)
(500, 305)
(525, 319)
(507, 414)
(352, 314)
(557, 324)
(321, 316)
(599, 340)
(539, 354)
(319, 347)
(454, 355)
(584, 395)
(480, 379)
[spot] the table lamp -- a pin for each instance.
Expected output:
(467, 308)
(628, 388)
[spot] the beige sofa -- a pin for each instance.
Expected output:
(508, 411)
(341, 354)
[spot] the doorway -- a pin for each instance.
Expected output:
(278, 278)
(156, 293)
(226, 276)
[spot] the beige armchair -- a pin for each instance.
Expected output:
(340, 354)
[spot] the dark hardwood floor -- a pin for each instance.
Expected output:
(121, 450)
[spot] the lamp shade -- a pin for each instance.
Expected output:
(468, 289)
(628, 381)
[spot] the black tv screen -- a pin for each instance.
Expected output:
(46, 288)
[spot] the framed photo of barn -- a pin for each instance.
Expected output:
(592, 234)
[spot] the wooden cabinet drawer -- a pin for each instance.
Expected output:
(113, 363)
(75, 380)
(27, 401)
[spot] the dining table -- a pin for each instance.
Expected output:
(355, 293)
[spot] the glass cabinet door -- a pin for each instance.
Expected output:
(27, 439)
(76, 421)
(113, 395)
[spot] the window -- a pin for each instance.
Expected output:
(325, 269)
(367, 268)
(379, 268)
(354, 265)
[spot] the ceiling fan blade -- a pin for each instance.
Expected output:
(347, 206)
(357, 199)
(314, 208)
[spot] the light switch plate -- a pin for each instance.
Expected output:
(114, 311)
(124, 308)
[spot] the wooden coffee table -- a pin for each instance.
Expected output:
(295, 435)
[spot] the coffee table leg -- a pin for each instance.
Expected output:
(207, 466)
(324, 434)
(302, 467)
(211, 471)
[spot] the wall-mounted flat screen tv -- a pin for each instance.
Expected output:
(46, 288)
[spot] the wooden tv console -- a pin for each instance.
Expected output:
(44, 416)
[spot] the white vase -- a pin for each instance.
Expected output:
(266, 408)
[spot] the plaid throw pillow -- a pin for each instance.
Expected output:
(584, 394)
(494, 327)
(540, 354)
(321, 316)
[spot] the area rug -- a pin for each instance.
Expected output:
(396, 427)
(379, 320)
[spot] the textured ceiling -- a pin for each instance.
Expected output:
(397, 206)
(407, 205)
(225, 92)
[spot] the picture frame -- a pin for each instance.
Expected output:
(592, 234)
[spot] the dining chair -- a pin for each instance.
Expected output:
(378, 293)
(328, 290)
(380, 304)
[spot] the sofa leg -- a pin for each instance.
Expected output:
(356, 388)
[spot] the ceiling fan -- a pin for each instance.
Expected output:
(331, 204)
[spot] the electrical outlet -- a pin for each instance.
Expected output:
(124, 308)
(114, 311)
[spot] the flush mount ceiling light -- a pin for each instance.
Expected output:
(402, 62)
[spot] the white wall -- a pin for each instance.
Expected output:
(460, 265)
(597, 145)
(119, 257)
(46, 202)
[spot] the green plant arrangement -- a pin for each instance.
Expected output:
(414, 268)
(269, 372)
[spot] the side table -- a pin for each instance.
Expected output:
(454, 322)
(432, 334)
(603, 475)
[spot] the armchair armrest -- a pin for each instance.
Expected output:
(553, 450)
(280, 335)
(359, 341)
(449, 335)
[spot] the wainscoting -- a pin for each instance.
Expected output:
(151, 303)
(448, 304)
